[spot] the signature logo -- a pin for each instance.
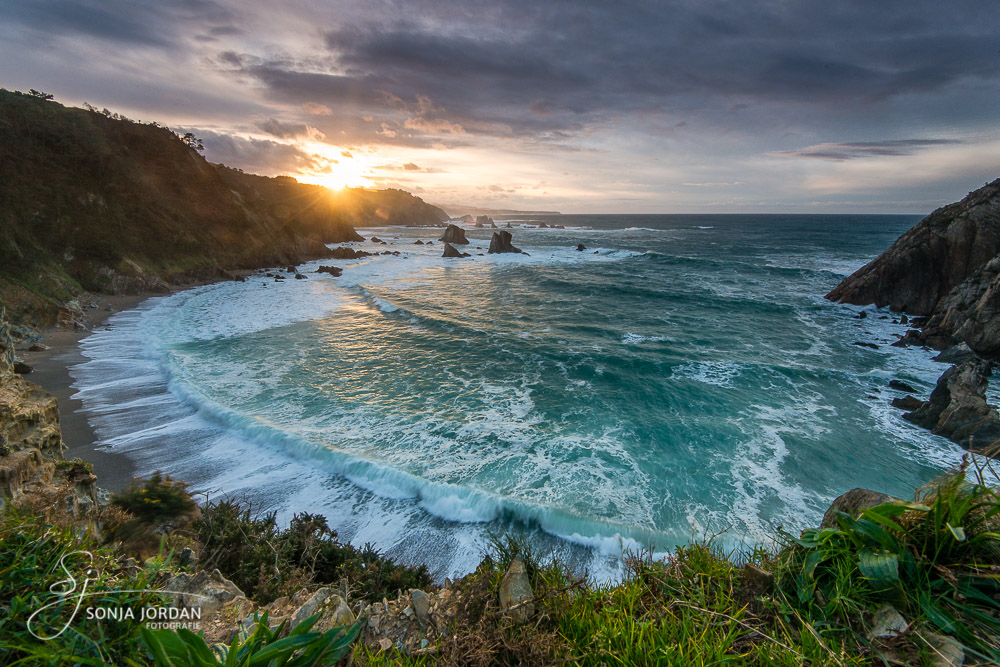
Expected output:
(69, 589)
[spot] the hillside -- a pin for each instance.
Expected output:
(94, 201)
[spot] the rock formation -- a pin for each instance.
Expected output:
(501, 242)
(946, 269)
(343, 252)
(957, 408)
(452, 251)
(854, 502)
(454, 234)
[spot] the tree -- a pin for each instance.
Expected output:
(193, 141)
(40, 95)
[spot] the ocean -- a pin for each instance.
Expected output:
(679, 379)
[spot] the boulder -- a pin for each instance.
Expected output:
(854, 502)
(376, 239)
(580, 247)
(299, 276)
(908, 403)
(955, 354)
(419, 242)
(861, 344)
(332, 270)
(342, 252)
(501, 243)
(958, 410)
(902, 386)
(21, 368)
(454, 234)
(451, 251)
(516, 595)
(207, 591)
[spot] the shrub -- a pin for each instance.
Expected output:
(155, 500)
(266, 561)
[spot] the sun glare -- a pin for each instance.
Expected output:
(338, 173)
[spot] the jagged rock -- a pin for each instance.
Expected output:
(501, 243)
(332, 270)
(515, 592)
(187, 557)
(421, 606)
(208, 591)
(957, 408)
(955, 354)
(454, 234)
(900, 385)
(758, 579)
(419, 242)
(21, 368)
(887, 623)
(38, 347)
(854, 502)
(451, 251)
(291, 269)
(311, 606)
(376, 239)
(908, 403)
(862, 315)
(342, 252)
(485, 221)
(299, 276)
(580, 247)
(903, 319)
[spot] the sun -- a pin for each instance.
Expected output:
(338, 173)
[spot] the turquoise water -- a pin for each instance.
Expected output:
(682, 376)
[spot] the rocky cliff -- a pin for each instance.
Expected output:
(945, 269)
(94, 201)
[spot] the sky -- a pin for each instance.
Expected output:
(672, 106)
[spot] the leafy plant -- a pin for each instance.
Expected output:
(301, 648)
(156, 499)
(934, 560)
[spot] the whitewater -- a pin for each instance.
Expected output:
(681, 377)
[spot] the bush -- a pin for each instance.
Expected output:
(266, 561)
(155, 500)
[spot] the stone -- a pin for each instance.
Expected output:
(887, 623)
(376, 239)
(862, 315)
(903, 319)
(187, 557)
(515, 592)
(385, 643)
(501, 243)
(299, 276)
(342, 252)
(854, 502)
(209, 591)
(868, 345)
(452, 251)
(421, 606)
(958, 410)
(947, 651)
(419, 242)
(332, 270)
(311, 606)
(908, 403)
(580, 247)
(758, 579)
(22, 368)
(38, 347)
(902, 386)
(454, 235)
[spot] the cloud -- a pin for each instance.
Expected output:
(864, 149)
(289, 130)
(259, 156)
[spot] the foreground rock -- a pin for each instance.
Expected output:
(854, 502)
(501, 243)
(958, 410)
(452, 251)
(454, 234)
(516, 596)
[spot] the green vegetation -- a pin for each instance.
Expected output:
(155, 500)
(32, 556)
(301, 648)
(266, 561)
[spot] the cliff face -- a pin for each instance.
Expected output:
(946, 268)
(101, 203)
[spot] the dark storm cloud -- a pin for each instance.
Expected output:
(521, 68)
(259, 156)
(862, 149)
(282, 130)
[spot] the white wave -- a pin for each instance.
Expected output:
(636, 339)
(717, 373)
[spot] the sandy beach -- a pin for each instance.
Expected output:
(51, 372)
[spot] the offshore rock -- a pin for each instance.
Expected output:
(332, 270)
(342, 252)
(451, 251)
(958, 410)
(501, 243)
(454, 234)
(854, 502)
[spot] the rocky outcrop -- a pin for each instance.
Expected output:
(452, 251)
(485, 221)
(516, 596)
(334, 271)
(946, 269)
(958, 410)
(501, 243)
(343, 252)
(454, 234)
(853, 503)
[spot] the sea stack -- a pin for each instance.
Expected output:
(452, 251)
(501, 242)
(454, 235)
